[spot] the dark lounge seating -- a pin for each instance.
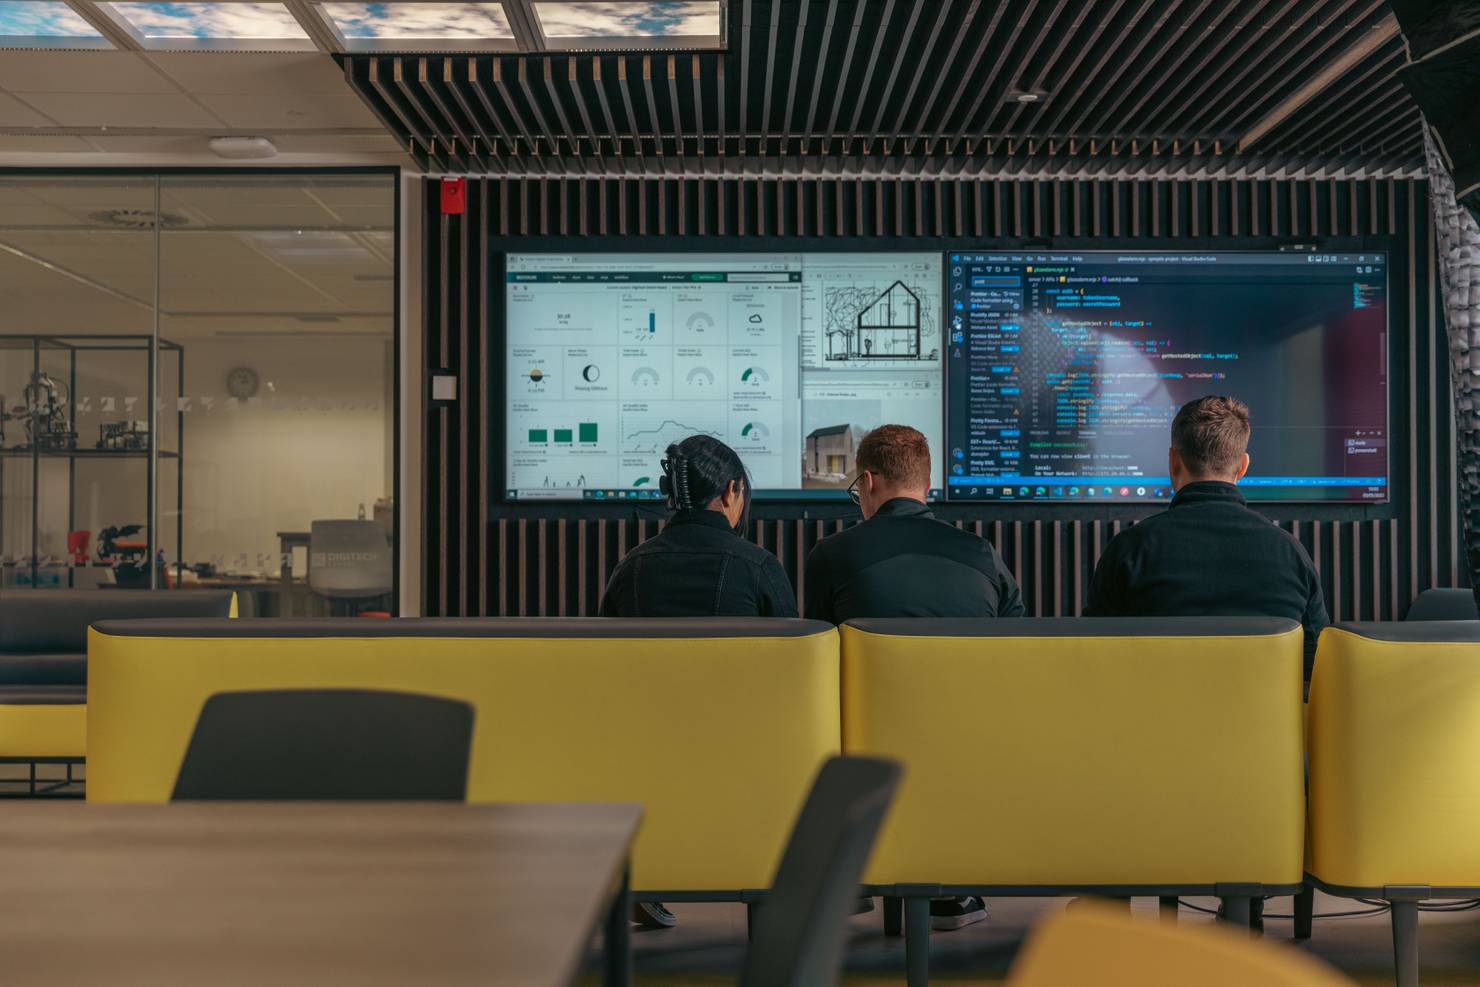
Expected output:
(43, 662)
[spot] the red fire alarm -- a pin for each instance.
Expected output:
(454, 196)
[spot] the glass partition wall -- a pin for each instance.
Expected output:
(197, 379)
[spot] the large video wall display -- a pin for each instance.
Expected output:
(1036, 375)
(790, 358)
(1067, 368)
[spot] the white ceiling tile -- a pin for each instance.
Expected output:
(121, 110)
(80, 72)
(14, 113)
(291, 112)
(252, 72)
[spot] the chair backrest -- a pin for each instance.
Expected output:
(1394, 781)
(737, 713)
(1095, 946)
(1083, 715)
(801, 927)
(1444, 604)
(327, 744)
(349, 559)
(55, 621)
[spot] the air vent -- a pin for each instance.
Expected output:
(317, 318)
(138, 219)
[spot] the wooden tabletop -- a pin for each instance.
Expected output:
(306, 893)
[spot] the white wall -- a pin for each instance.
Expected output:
(313, 445)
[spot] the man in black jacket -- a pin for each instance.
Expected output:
(1209, 554)
(901, 561)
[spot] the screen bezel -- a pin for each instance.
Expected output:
(1139, 247)
(495, 409)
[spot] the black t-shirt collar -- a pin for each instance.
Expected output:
(702, 516)
(1207, 491)
(903, 507)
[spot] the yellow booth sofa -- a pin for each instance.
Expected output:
(715, 726)
(1062, 756)
(1394, 774)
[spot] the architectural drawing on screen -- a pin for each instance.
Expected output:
(868, 324)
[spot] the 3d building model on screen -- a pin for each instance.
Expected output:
(828, 455)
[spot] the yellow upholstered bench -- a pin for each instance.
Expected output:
(1060, 756)
(1394, 776)
(715, 726)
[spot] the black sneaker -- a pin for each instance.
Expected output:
(653, 915)
(955, 913)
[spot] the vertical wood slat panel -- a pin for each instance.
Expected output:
(529, 565)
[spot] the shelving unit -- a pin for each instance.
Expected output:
(80, 346)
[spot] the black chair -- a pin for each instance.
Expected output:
(1444, 604)
(800, 928)
(328, 744)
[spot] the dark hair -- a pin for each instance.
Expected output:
(1211, 435)
(898, 453)
(699, 469)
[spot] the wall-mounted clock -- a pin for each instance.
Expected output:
(241, 383)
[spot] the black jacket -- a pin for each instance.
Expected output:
(698, 567)
(1209, 555)
(902, 562)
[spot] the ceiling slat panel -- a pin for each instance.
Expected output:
(852, 86)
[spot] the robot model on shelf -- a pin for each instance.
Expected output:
(119, 547)
(44, 414)
(123, 436)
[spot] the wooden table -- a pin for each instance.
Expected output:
(313, 893)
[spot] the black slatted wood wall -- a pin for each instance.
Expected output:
(483, 557)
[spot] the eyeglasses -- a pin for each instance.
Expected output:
(853, 494)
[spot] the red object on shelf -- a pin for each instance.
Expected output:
(78, 543)
(454, 196)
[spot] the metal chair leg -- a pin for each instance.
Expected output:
(917, 941)
(893, 916)
(1169, 908)
(1236, 911)
(1305, 912)
(1405, 942)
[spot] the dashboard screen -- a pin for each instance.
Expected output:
(1067, 367)
(790, 358)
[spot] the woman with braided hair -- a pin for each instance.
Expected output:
(701, 565)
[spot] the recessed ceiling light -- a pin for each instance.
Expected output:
(242, 148)
(1029, 96)
(630, 23)
(46, 24)
(225, 26)
(420, 26)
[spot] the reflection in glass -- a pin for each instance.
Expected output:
(250, 406)
(281, 289)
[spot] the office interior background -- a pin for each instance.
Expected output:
(327, 286)
(252, 256)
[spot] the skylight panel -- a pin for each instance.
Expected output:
(220, 25)
(420, 26)
(46, 24)
(630, 23)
